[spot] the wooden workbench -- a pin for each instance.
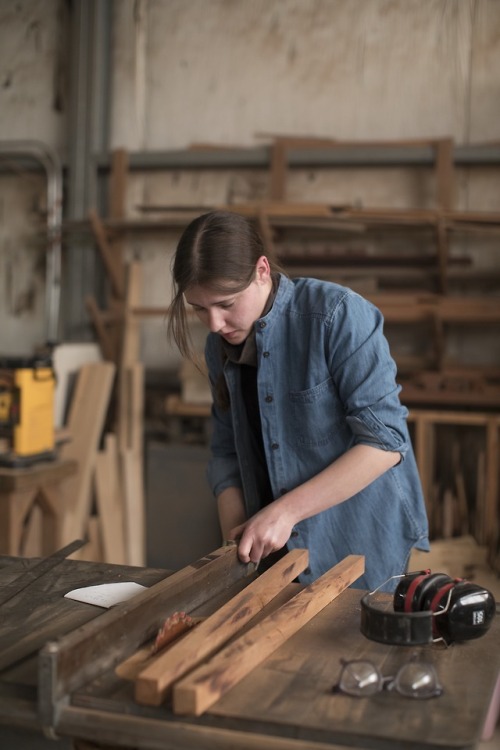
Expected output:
(285, 703)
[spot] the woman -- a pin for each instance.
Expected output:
(310, 446)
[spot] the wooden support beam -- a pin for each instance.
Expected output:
(444, 173)
(118, 184)
(203, 687)
(98, 320)
(113, 268)
(277, 187)
(492, 480)
(154, 682)
(266, 232)
(442, 241)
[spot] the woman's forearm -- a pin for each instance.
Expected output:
(271, 527)
(348, 475)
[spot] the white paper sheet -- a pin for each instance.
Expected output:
(106, 594)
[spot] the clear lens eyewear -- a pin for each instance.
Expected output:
(413, 680)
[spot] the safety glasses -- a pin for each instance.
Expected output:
(361, 679)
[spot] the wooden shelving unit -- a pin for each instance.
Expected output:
(415, 290)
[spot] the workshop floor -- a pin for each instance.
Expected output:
(462, 557)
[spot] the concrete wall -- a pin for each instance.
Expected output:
(226, 70)
(33, 91)
(230, 72)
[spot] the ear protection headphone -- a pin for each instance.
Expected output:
(429, 607)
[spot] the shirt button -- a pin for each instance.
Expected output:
(265, 354)
(307, 571)
(275, 446)
(294, 534)
(268, 399)
(283, 491)
(262, 324)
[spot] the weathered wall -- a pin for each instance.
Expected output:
(32, 108)
(226, 70)
(230, 71)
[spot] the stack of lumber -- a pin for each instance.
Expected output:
(105, 499)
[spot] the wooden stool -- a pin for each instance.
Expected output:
(32, 508)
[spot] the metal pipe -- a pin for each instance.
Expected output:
(343, 156)
(50, 163)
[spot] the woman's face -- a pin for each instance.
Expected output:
(232, 315)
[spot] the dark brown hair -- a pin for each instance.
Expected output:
(218, 250)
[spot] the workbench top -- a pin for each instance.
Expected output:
(285, 703)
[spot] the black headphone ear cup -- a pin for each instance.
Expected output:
(405, 589)
(426, 590)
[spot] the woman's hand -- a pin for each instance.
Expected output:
(267, 531)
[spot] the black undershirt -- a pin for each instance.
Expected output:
(245, 356)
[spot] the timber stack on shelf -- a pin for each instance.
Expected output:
(402, 259)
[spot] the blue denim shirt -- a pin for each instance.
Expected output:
(326, 381)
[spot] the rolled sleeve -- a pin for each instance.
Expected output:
(365, 375)
(368, 429)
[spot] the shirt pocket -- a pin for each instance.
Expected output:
(316, 415)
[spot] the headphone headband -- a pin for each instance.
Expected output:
(395, 627)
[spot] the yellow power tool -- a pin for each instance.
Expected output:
(27, 387)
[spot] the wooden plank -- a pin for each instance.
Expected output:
(443, 254)
(33, 536)
(98, 319)
(277, 179)
(113, 268)
(266, 232)
(154, 682)
(118, 184)
(424, 454)
(444, 173)
(491, 502)
(131, 334)
(109, 502)
(203, 687)
(130, 438)
(86, 420)
(70, 662)
(133, 506)
(282, 208)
